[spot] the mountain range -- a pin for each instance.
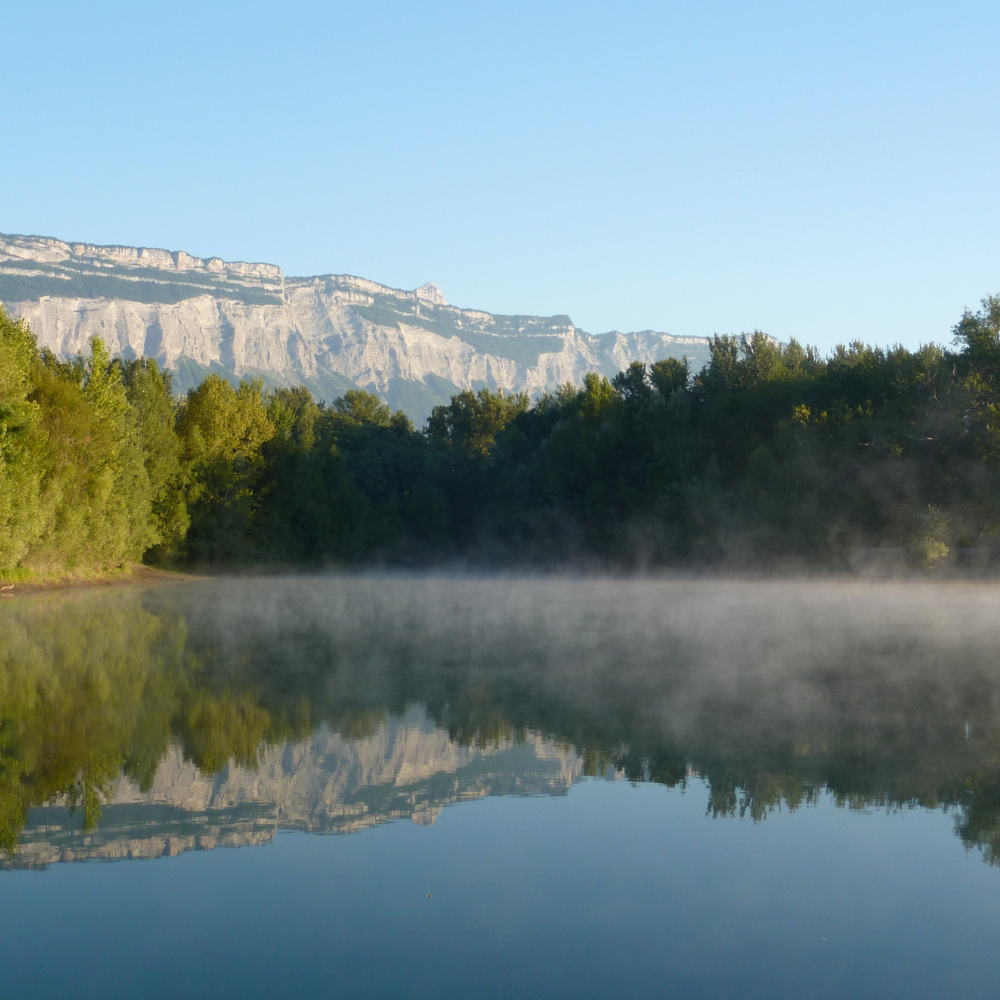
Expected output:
(329, 332)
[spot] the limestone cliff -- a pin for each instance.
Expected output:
(331, 332)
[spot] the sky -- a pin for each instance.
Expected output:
(821, 171)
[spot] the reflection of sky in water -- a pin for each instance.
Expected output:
(614, 890)
(244, 713)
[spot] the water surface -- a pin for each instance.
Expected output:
(543, 787)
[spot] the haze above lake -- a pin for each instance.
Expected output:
(544, 786)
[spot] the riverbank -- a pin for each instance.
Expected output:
(33, 584)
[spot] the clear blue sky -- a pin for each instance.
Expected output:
(826, 171)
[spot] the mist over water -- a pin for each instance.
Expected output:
(180, 718)
(883, 693)
(867, 689)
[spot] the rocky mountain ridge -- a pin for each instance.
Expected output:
(329, 332)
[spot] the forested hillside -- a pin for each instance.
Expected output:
(769, 456)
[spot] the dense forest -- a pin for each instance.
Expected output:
(770, 456)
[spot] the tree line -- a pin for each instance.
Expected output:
(770, 455)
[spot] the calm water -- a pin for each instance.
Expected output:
(538, 788)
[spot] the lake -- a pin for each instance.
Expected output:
(414, 786)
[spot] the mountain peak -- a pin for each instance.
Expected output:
(431, 293)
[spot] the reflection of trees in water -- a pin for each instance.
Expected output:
(97, 686)
(91, 689)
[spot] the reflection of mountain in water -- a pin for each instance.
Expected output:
(407, 769)
(122, 704)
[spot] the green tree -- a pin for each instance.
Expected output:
(22, 512)
(670, 375)
(471, 421)
(363, 407)
(223, 430)
(149, 395)
(95, 485)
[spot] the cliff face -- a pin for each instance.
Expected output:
(331, 332)
(407, 769)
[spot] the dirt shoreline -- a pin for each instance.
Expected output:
(115, 578)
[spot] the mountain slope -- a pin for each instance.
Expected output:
(331, 332)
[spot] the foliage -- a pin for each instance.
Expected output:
(75, 492)
(149, 394)
(22, 438)
(223, 430)
(472, 420)
(770, 455)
